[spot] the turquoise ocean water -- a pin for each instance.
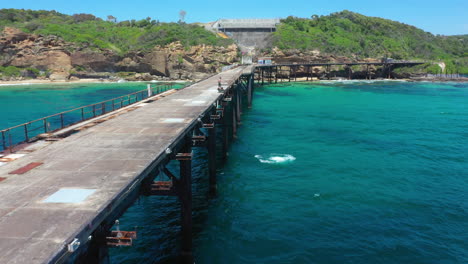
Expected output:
(24, 103)
(351, 172)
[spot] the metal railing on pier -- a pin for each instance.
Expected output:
(31, 131)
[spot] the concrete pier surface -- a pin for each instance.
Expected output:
(79, 180)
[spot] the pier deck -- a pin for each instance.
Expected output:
(96, 169)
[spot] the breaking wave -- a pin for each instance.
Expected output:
(276, 158)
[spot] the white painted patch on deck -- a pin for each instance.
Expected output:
(66, 195)
(192, 103)
(14, 156)
(172, 120)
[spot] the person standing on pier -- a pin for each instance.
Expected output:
(220, 87)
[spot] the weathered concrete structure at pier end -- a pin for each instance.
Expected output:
(248, 33)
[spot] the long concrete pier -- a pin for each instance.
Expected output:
(58, 203)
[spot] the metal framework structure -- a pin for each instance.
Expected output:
(291, 72)
(225, 114)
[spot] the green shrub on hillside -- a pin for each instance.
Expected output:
(122, 37)
(347, 33)
(10, 71)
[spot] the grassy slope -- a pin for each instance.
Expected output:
(122, 37)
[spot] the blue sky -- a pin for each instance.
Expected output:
(447, 17)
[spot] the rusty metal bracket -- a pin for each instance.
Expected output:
(208, 125)
(163, 188)
(199, 141)
(199, 138)
(215, 117)
(183, 156)
(119, 238)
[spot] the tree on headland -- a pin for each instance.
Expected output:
(83, 17)
(111, 18)
(182, 15)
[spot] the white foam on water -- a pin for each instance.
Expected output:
(276, 158)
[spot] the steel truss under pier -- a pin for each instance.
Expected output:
(307, 71)
(224, 114)
(118, 160)
(110, 164)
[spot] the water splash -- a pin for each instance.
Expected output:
(276, 158)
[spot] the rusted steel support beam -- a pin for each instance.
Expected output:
(349, 71)
(208, 125)
(367, 72)
(185, 197)
(276, 74)
(225, 139)
(119, 238)
(238, 105)
(212, 159)
(240, 95)
(249, 92)
(199, 141)
(234, 118)
(263, 80)
(163, 188)
(98, 250)
(295, 73)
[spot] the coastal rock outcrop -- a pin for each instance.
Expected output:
(94, 61)
(59, 60)
(177, 62)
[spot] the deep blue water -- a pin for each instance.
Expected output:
(351, 172)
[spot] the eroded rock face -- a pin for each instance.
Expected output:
(204, 59)
(154, 62)
(92, 61)
(52, 60)
(175, 61)
(61, 58)
(44, 53)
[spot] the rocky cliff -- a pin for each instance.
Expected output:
(59, 60)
